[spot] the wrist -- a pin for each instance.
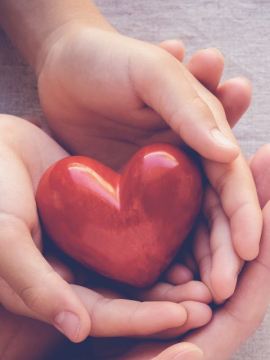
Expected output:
(35, 26)
(62, 34)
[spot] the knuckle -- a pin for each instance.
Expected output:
(32, 296)
(198, 102)
(37, 296)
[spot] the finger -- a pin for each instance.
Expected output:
(193, 290)
(243, 313)
(226, 264)
(40, 288)
(190, 262)
(175, 47)
(178, 274)
(120, 317)
(207, 66)
(235, 96)
(182, 102)
(235, 187)
(198, 315)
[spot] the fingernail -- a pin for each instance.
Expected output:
(217, 51)
(190, 355)
(68, 324)
(221, 139)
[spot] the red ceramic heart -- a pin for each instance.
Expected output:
(125, 226)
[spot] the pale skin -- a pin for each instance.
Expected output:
(243, 313)
(233, 94)
(103, 93)
(230, 325)
(11, 282)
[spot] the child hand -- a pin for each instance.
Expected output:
(29, 285)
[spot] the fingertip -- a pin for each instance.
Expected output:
(174, 315)
(246, 238)
(203, 293)
(199, 314)
(230, 151)
(179, 274)
(75, 325)
(215, 147)
(223, 285)
(175, 47)
(235, 95)
(207, 66)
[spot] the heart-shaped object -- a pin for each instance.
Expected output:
(125, 226)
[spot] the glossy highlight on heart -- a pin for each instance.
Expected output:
(125, 226)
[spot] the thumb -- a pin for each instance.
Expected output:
(41, 292)
(165, 85)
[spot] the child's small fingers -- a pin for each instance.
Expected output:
(189, 109)
(193, 290)
(190, 262)
(226, 264)
(207, 66)
(121, 317)
(37, 286)
(198, 315)
(235, 95)
(175, 47)
(178, 274)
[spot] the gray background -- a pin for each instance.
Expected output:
(239, 29)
